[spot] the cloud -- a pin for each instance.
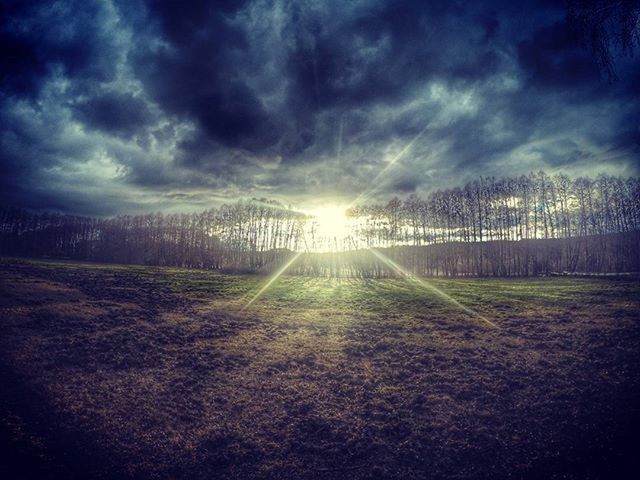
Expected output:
(554, 58)
(117, 106)
(42, 39)
(115, 113)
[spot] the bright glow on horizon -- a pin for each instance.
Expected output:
(328, 229)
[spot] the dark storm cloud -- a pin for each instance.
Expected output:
(554, 58)
(111, 106)
(40, 36)
(195, 76)
(113, 112)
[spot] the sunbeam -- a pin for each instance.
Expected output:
(374, 183)
(430, 287)
(363, 196)
(272, 279)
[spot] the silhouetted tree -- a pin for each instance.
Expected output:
(606, 25)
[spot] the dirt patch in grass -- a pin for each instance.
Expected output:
(117, 372)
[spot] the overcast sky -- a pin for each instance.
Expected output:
(111, 107)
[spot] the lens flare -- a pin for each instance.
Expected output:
(375, 182)
(330, 231)
(272, 279)
(430, 287)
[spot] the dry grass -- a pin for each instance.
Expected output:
(132, 372)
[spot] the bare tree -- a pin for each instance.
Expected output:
(606, 26)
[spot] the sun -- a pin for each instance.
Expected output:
(328, 228)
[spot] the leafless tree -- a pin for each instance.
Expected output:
(606, 26)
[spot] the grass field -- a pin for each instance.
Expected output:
(135, 372)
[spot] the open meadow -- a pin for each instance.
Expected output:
(113, 371)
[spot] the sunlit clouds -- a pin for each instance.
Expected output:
(119, 107)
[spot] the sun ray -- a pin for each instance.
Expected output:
(363, 196)
(272, 279)
(374, 183)
(427, 285)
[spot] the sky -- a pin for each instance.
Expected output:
(119, 107)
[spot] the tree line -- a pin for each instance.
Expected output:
(244, 235)
(527, 225)
(612, 253)
(531, 206)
